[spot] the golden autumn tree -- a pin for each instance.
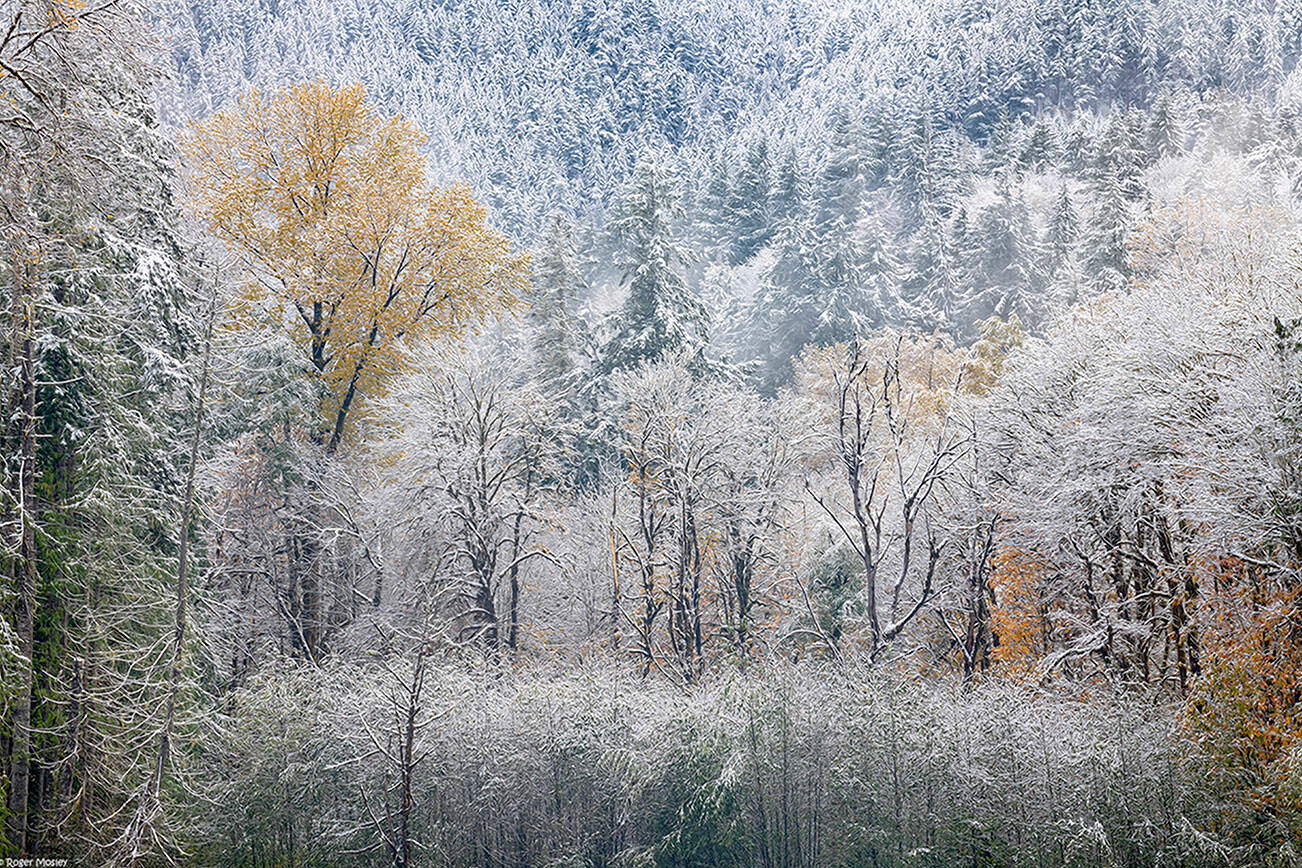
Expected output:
(325, 203)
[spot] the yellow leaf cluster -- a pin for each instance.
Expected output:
(64, 14)
(326, 205)
(1190, 233)
(988, 357)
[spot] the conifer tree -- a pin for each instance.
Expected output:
(558, 285)
(1003, 278)
(748, 203)
(1165, 127)
(660, 314)
(712, 214)
(97, 335)
(790, 191)
(1105, 234)
(927, 287)
(841, 183)
(818, 291)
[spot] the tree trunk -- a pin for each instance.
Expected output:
(614, 577)
(23, 493)
(513, 630)
(869, 565)
(182, 569)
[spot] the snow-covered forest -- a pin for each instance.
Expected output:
(668, 433)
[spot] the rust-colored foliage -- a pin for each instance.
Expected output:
(1245, 709)
(325, 203)
(1018, 612)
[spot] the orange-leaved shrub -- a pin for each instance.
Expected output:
(1244, 710)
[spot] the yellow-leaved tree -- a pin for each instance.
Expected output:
(326, 205)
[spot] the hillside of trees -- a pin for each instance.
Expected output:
(572, 433)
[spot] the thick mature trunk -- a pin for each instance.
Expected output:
(303, 545)
(310, 584)
(302, 549)
(517, 540)
(512, 636)
(976, 639)
(341, 415)
(650, 608)
(486, 615)
(741, 583)
(303, 595)
(680, 627)
(698, 639)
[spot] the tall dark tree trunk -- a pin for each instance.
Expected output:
(742, 576)
(303, 546)
(648, 527)
(486, 616)
(406, 804)
(183, 569)
(977, 636)
(302, 549)
(517, 540)
(310, 584)
(22, 484)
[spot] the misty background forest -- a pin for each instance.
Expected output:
(662, 433)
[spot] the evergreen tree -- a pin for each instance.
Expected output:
(1060, 241)
(1105, 234)
(840, 185)
(880, 270)
(1040, 147)
(821, 289)
(790, 191)
(1165, 127)
(712, 212)
(1061, 259)
(558, 284)
(1002, 256)
(878, 151)
(659, 315)
(99, 337)
(930, 178)
(784, 312)
(928, 280)
(1004, 147)
(835, 273)
(748, 203)
(1118, 156)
